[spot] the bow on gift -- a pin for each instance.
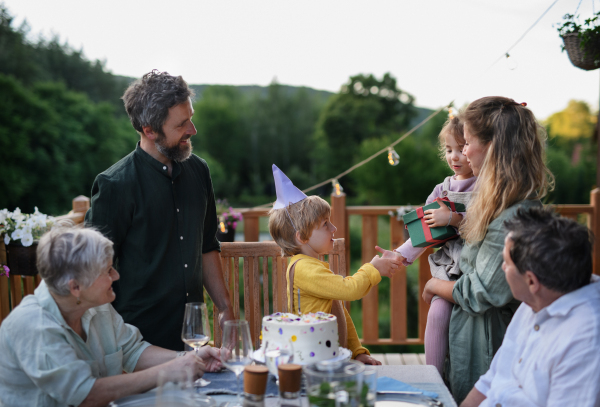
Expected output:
(427, 230)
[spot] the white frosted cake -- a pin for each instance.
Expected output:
(314, 336)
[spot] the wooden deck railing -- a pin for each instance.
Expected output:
(21, 285)
(398, 284)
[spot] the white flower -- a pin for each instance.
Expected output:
(3, 215)
(27, 240)
(6, 239)
(17, 234)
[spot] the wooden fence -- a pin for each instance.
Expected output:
(398, 284)
(21, 285)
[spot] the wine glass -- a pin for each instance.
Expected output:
(237, 350)
(278, 353)
(196, 330)
(175, 390)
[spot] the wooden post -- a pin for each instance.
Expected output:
(595, 202)
(339, 218)
(81, 204)
(370, 302)
(251, 227)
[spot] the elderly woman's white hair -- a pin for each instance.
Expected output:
(65, 254)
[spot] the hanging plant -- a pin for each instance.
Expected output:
(582, 41)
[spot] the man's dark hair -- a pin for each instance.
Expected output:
(556, 249)
(148, 100)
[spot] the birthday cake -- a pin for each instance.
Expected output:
(313, 336)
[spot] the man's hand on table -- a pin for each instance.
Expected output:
(367, 360)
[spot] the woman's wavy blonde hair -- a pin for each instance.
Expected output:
(514, 167)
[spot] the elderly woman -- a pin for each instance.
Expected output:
(67, 346)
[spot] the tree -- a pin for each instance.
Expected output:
(575, 122)
(365, 108)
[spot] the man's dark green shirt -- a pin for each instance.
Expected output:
(160, 226)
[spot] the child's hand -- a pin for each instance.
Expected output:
(387, 254)
(367, 360)
(387, 267)
(437, 217)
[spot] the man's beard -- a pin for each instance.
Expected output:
(178, 152)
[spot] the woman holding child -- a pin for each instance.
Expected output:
(504, 148)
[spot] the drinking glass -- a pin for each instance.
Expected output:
(278, 353)
(175, 390)
(196, 330)
(237, 350)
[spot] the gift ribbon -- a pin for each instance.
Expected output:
(427, 229)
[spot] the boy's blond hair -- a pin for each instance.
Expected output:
(305, 215)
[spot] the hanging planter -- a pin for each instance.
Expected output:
(581, 41)
(585, 57)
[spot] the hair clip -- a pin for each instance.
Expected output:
(523, 104)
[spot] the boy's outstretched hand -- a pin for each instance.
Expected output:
(388, 264)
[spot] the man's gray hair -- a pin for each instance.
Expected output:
(65, 254)
(148, 100)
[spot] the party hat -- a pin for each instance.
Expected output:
(287, 193)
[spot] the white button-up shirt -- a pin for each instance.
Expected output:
(43, 362)
(549, 358)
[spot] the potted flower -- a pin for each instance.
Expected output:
(21, 233)
(582, 41)
(228, 220)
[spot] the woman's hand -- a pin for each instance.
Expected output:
(190, 361)
(437, 217)
(211, 358)
(442, 288)
(367, 360)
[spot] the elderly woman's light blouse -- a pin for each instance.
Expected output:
(43, 362)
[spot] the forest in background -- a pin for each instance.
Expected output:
(62, 122)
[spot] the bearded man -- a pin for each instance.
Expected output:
(157, 206)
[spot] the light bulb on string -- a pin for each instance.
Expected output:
(451, 114)
(393, 157)
(510, 62)
(337, 187)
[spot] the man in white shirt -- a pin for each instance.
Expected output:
(550, 355)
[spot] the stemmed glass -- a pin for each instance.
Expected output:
(196, 330)
(278, 353)
(237, 350)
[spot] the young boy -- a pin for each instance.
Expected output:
(301, 227)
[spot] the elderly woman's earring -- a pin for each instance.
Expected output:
(78, 301)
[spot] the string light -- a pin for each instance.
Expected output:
(510, 62)
(222, 227)
(393, 157)
(337, 188)
(451, 112)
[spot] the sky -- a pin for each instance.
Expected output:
(439, 51)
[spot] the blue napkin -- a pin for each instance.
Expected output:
(385, 383)
(224, 382)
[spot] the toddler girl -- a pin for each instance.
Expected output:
(444, 262)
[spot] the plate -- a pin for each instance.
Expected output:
(343, 355)
(149, 400)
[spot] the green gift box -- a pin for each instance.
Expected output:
(421, 235)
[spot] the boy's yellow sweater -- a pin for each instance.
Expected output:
(319, 286)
